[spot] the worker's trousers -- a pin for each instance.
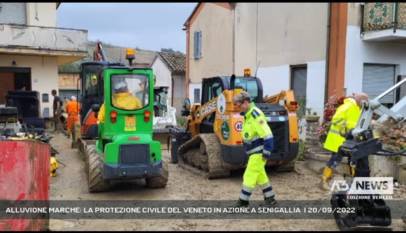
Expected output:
(70, 123)
(57, 121)
(254, 175)
(335, 159)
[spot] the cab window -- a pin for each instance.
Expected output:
(249, 85)
(129, 91)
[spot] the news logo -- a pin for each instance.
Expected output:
(364, 186)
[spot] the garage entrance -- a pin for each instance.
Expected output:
(12, 78)
(378, 78)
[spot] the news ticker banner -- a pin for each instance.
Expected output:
(106, 209)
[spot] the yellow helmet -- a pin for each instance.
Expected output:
(93, 79)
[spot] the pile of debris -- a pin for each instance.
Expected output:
(392, 134)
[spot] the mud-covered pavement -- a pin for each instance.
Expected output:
(71, 184)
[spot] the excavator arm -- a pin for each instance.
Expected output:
(98, 53)
(284, 98)
(374, 106)
(198, 113)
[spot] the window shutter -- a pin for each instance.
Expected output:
(197, 38)
(200, 44)
(378, 78)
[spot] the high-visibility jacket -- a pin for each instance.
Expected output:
(124, 101)
(345, 119)
(258, 143)
(73, 110)
(257, 135)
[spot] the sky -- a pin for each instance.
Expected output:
(150, 26)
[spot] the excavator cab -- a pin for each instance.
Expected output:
(213, 87)
(91, 95)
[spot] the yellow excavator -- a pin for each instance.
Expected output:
(212, 142)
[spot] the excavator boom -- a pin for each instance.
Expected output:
(285, 98)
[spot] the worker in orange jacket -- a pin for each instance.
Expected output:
(73, 110)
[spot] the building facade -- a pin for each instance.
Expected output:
(32, 48)
(169, 70)
(316, 49)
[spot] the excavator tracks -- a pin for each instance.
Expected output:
(203, 153)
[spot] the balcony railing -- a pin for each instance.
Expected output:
(42, 38)
(382, 16)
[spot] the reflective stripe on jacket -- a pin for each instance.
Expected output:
(344, 119)
(257, 135)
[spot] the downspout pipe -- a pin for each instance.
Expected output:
(233, 54)
(327, 53)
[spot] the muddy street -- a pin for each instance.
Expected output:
(71, 184)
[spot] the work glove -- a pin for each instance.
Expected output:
(349, 135)
(266, 154)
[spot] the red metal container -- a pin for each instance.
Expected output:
(24, 175)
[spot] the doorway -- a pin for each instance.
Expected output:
(12, 78)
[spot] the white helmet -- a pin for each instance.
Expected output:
(119, 85)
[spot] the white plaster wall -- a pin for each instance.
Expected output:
(274, 79)
(41, 14)
(274, 34)
(359, 52)
(316, 81)
(179, 93)
(163, 76)
(44, 74)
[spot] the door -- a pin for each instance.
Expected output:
(7, 83)
(12, 78)
(377, 78)
(212, 88)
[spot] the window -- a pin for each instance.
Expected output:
(45, 98)
(298, 81)
(212, 88)
(91, 74)
(129, 91)
(377, 78)
(197, 38)
(196, 93)
(12, 13)
(249, 85)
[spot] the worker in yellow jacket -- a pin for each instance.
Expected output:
(258, 144)
(122, 99)
(344, 120)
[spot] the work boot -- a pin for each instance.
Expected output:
(270, 201)
(327, 175)
(242, 203)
